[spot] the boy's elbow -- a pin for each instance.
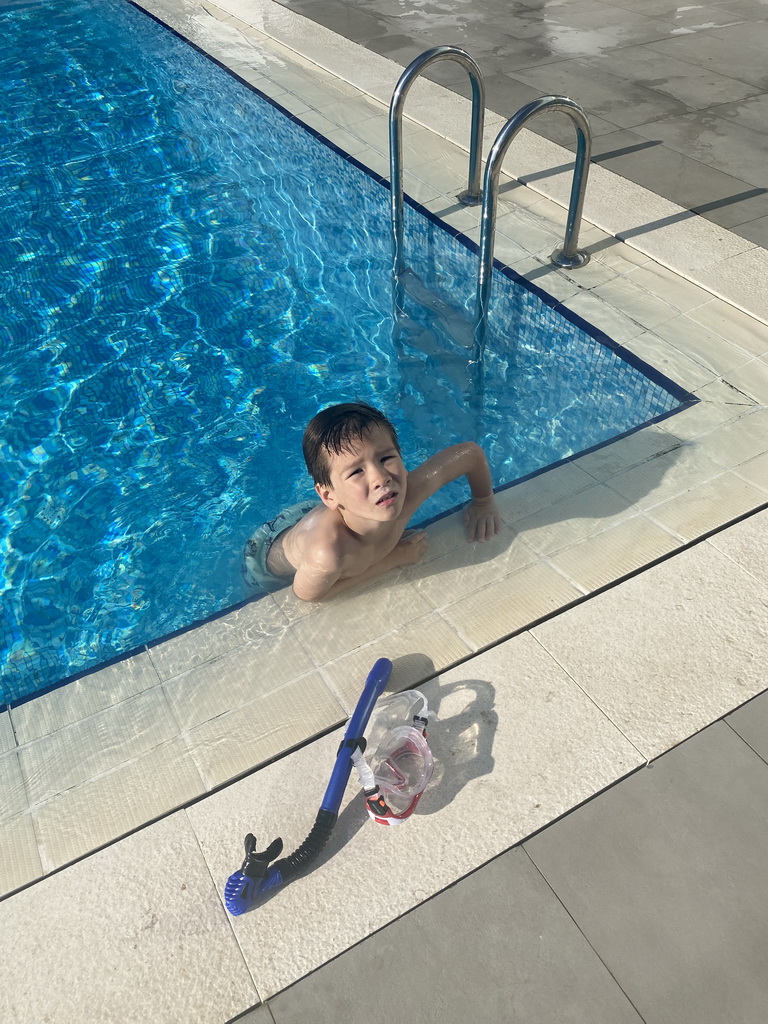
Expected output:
(309, 594)
(473, 453)
(312, 587)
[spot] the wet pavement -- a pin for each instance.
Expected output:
(677, 96)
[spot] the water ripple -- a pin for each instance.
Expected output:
(186, 277)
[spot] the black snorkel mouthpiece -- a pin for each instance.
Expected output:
(255, 864)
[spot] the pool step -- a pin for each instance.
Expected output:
(433, 362)
(456, 324)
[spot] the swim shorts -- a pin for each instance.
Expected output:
(256, 550)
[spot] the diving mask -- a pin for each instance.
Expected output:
(399, 770)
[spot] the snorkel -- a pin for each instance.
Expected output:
(258, 876)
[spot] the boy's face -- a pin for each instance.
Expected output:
(368, 480)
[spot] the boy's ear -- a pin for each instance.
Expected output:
(327, 496)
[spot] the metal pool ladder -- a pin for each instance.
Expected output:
(569, 256)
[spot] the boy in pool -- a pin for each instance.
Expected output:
(368, 496)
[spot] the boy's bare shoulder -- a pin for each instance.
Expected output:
(321, 538)
(323, 555)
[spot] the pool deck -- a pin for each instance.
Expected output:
(599, 649)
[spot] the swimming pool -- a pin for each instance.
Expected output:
(181, 259)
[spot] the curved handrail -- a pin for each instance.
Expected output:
(414, 69)
(569, 255)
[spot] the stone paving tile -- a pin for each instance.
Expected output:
(72, 755)
(673, 472)
(614, 553)
(83, 697)
(690, 84)
(752, 379)
(258, 1015)
(618, 101)
(687, 644)
(7, 737)
(255, 622)
(746, 543)
(233, 743)
(756, 231)
(237, 678)
(751, 112)
(721, 49)
(706, 347)
(722, 144)
(111, 805)
(742, 277)
(134, 933)
(13, 794)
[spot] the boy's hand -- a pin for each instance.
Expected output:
(411, 547)
(482, 519)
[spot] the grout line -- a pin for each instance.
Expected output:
(227, 916)
(589, 697)
(734, 730)
(580, 929)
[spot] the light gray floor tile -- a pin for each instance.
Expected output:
(667, 9)
(349, 22)
(678, 177)
(742, 8)
(535, 966)
(723, 49)
(665, 876)
(751, 112)
(751, 723)
(615, 99)
(756, 231)
(724, 145)
(400, 48)
(688, 83)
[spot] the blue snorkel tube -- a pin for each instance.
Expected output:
(256, 877)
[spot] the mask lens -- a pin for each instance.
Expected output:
(402, 766)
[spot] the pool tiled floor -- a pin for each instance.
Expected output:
(536, 724)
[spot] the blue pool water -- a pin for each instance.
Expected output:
(187, 276)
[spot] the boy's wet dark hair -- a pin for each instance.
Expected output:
(335, 430)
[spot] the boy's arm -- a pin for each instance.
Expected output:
(481, 517)
(313, 583)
